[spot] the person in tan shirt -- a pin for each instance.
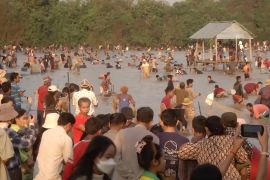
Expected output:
(181, 93)
(191, 94)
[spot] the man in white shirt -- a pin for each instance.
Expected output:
(55, 148)
(88, 93)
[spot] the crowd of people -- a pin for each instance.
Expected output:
(126, 144)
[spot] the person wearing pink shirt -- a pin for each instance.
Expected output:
(256, 110)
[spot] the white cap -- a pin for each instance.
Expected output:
(52, 88)
(51, 120)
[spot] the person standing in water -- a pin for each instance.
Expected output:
(145, 67)
(123, 100)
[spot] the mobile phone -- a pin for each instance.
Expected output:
(249, 130)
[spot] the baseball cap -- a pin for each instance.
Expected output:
(52, 88)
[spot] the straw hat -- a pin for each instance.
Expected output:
(186, 101)
(51, 120)
(267, 82)
(85, 84)
(7, 112)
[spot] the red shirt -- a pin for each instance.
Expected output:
(218, 91)
(167, 102)
(42, 91)
(76, 132)
(78, 151)
(250, 87)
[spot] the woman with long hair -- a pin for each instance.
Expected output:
(98, 161)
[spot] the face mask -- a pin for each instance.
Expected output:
(106, 166)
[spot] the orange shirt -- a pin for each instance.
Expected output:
(258, 109)
(76, 132)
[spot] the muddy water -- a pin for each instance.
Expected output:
(146, 92)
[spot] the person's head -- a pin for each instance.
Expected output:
(7, 99)
(7, 113)
(189, 82)
(216, 86)
(97, 159)
(238, 78)
(15, 77)
(249, 107)
(65, 91)
(93, 126)
(169, 91)
(145, 115)
(85, 84)
(206, 171)
(182, 85)
(50, 98)
(47, 80)
(209, 77)
(150, 155)
(66, 120)
(128, 113)
(104, 119)
(168, 118)
(22, 119)
(117, 121)
(198, 126)
(124, 89)
(170, 77)
(6, 87)
(213, 126)
(84, 105)
(229, 119)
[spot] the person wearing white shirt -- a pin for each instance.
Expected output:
(55, 148)
(85, 92)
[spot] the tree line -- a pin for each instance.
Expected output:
(142, 23)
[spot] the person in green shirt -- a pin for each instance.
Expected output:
(150, 158)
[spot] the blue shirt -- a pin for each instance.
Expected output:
(15, 89)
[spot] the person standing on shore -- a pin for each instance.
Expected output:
(16, 92)
(41, 94)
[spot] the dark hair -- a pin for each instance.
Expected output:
(209, 77)
(206, 171)
(118, 118)
(92, 125)
(50, 100)
(66, 118)
(104, 120)
(65, 90)
(145, 114)
(198, 124)
(148, 153)
(216, 86)
(170, 76)
(238, 77)
(73, 87)
(189, 81)
(168, 89)
(84, 100)
(213, 123)
(20, 112)
(6, 86)
(168, 117)
(98, 147)
(13, 76)
(249, 105)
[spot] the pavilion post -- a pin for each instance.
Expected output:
(196, 52)
(203, 50)
(250, 51)
(216, 49)
(236, 53)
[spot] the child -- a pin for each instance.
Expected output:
(78, 128)
(150, 158)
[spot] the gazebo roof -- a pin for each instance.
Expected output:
(223, 30)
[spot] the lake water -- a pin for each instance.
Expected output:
(146, 92)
